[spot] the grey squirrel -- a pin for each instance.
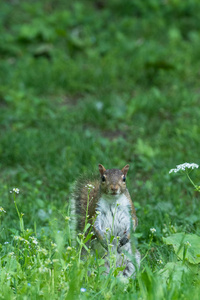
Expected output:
(111, 213)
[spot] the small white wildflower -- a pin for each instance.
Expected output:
(6, 243)
(2, 210)
(42, 250)
(16, 190)
(67, 218)
(188, 244)
(83, 290)
(43, 269)
(153, 230)
(26, 242)
(70, 265)
(160, 261)
(184, 166)
(89, 186)
(98, 212)
(107, 229)
(11, 253)
(34, 240)
(69, 248)
(19, 238)
(48, 262)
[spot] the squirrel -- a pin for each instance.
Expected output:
(107, 205)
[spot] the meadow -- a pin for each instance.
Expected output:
(87, 82)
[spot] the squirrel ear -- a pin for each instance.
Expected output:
(125, 170)
(101, 169)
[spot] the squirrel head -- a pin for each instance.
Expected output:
(113, 181)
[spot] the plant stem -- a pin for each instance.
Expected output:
(191, 181)
(21, 223)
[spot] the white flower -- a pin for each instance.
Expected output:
(42, 250)
(152, 230)
(160, 261)
(43, 269)
(188, 244)
(18, 238)
(53, 244)
(34, 240)
(89, 186)
(83, 290)
(184, 166)
(2, 210)
(16, 190)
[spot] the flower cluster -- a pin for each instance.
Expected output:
(33, 239)
(184, 166)
(89, 186)
(2, 210)
(21, 239)
(153, 230)
(15, 190)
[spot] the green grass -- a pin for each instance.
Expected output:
(88, 82)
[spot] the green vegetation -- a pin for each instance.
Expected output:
(88, 82)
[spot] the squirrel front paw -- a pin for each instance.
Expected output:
(124, 240)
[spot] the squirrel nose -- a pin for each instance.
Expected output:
(114, 188)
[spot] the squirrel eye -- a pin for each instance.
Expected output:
(103, 178)
(124, 178)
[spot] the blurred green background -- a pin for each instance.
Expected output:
(88, 82)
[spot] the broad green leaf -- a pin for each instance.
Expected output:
(187, 245)
(118, 269)
(174, 270)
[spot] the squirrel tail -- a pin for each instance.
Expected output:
(85, 195)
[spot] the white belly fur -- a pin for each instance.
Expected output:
(114, 218)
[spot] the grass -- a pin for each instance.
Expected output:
(84, 83)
